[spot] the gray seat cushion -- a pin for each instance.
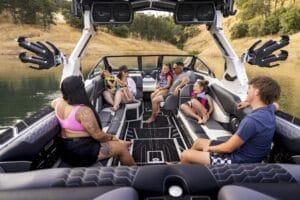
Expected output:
(235, 192)
(120, 193)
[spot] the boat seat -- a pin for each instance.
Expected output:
(153, 179)
(134, 109)
(172, 101)
(260, 191)
(224, 120)
(15, 166)
(228, 102)
(287, 133)
(138, 79)
(212, 129)
(112, 122)
(120, 193)
(31, 141)
(74, 193)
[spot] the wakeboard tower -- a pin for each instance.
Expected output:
(33, 154)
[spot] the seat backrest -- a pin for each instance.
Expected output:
(185, 93)
(228, 101)
(138, 79)
(287, 132)
(37, 138)
(191, 75)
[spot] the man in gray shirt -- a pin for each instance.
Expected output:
(180, 79)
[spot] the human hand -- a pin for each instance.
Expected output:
(176, 91)
(242, 105)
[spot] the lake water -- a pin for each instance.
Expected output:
(23, 91)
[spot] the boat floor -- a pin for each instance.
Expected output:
(158, 142)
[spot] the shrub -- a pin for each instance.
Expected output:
(239, 30)
(272, 24)
(290, 20)
(120, 31)
(256, 27)
(194, 52)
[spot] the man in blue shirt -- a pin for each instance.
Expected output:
(252, 141)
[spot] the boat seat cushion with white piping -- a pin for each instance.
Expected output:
(74, 193)
(153, 179)
(119, 193)
(263, 191)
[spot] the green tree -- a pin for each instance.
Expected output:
(70, 19)
(30, 11)
(120, 31)
(272, 24)
(253, 8)
(290, 20)
(239, 30)
(256, 27)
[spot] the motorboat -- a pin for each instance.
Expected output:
(30, 163)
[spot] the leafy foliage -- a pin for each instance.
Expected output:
(266, 17)
(120, 31)
(239, 30)
(30, 11)
(152, 28)
(290, 21)
(70, 19)
(143, 26)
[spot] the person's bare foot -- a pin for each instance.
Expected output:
(150, 120)
(114, 108)
(200, 120)
(204, 118)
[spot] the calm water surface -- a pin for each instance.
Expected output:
(23, 91)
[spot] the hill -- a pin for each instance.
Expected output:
(209, 52)
(66, 37)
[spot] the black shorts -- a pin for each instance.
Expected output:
(79, 151)
(219, 158)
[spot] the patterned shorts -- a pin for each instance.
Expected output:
(219, 158)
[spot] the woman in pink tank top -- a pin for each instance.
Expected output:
(82, 141)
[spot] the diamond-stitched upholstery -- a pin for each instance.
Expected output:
(250, 173)
(153, 179)
(103, 176)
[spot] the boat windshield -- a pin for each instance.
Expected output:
(148, 63)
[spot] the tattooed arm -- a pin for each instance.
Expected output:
(87, 118)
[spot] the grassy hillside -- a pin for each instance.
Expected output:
(208, 50)
(65, 38)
